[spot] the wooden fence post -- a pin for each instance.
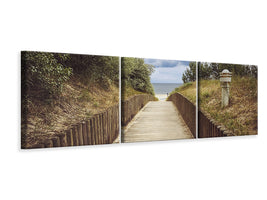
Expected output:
(75, 135)
(97, 129)
(69, 137)
(101, 128)
(92, 124)
(48, 143)
(80, 134)
(89, 133)
(84, 133)
(56, 141)
(105, 127)
(63, 139)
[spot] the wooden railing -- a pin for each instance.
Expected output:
(102, 128)
(207, 127)
(187, 110)
(131, 106)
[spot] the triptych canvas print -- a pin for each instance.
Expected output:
(74, 100)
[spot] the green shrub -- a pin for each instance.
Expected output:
(137, 74)
(92, 69)
(43, 74)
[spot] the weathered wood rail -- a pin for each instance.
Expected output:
(131, 106)
(187, 109)
(102, 128)
(207, 127)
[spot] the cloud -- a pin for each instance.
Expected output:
(169, 74)
(167, 71)
(165, 63)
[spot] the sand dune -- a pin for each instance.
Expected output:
(161, 97)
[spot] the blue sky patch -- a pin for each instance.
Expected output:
(167, 71)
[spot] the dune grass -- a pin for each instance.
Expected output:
(188, 90)
(241, 115)
(77, 102)
(127, 92)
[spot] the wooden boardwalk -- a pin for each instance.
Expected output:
(158, 120)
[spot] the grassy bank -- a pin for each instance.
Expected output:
(241, 114)
(60, 90)
(128, 91)
(76, 103)
(188, 90)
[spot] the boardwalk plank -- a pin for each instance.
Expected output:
(158, 120)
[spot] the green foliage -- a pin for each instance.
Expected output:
(43, 74)
(92, 69)
(213, 70)
(204, 70)
(128, 91)
(190, 74)
(137, 74)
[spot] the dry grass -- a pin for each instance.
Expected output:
(188, 90)
(76, 103)
(128, 91)
(241, 115)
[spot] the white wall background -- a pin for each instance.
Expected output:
(223, 168)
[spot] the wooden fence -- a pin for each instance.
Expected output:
(102, 128)
(187, 109)
(207, 127)
(131, 106)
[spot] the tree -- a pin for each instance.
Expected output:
(136, 73)
(213, 70)
(42, 74)
(92, 69)
(190, 74)
(236, 69)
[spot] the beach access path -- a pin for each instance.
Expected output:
(157, 120)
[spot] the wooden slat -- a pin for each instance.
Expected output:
(89, 133)
(69, 137)
(63, 139)
(48, 143)
(56, 141)
(92, 125)
(84, 133)
(75, 135)
(80, 134)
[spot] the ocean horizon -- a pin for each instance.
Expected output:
(165, 88)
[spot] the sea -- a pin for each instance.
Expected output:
(164, 88)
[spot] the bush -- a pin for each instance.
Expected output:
(42, 74)
(137, 74)
(91, 69)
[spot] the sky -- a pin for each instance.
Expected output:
(167, 71)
